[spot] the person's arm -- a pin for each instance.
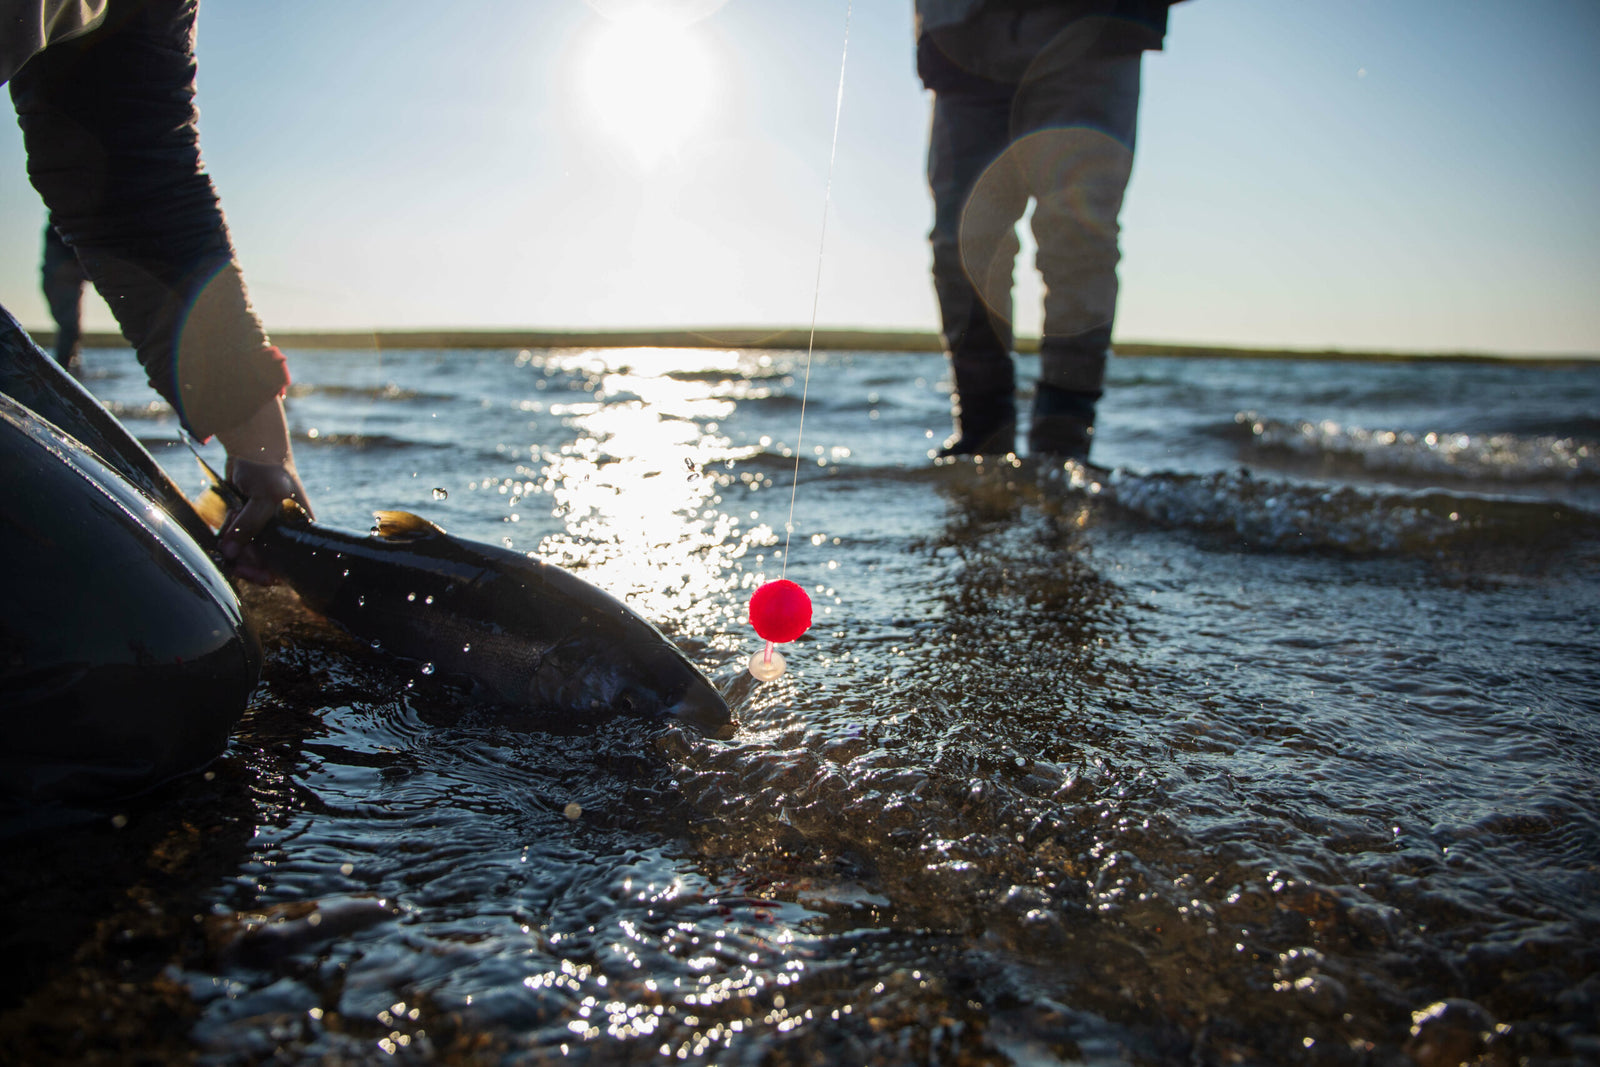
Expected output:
(111, 132)
(261, 467)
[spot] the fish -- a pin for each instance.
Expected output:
(520, 631)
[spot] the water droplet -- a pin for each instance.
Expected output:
(427, 668)
(361, 601)
(467, 647)
(411, 597)
(427, 600)
(441, 494)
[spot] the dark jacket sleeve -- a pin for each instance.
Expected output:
(110, 128)
(1116, 26)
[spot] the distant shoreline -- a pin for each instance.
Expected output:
(828, 340)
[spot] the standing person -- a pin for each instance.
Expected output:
(62, 280)
(104, 92)
(1032, 99)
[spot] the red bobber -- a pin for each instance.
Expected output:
(780, 611)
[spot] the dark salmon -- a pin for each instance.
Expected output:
(526, 632)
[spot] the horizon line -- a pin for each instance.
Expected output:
(831, 339)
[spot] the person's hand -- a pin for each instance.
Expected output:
(261, 467)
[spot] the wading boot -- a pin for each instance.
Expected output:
(985, 426)
(1072, 374)
(1063, 423)
(984, 401)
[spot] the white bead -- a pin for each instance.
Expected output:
(766, 665)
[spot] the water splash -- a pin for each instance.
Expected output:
(1499, 457)
(1277, 514)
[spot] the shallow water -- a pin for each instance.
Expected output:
(1279, 743)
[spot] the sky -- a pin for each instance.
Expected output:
(1353, 174)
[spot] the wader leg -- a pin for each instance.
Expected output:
(1077, 155)
(62, 278)
(978, 198)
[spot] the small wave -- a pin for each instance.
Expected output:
(783, 402)
(1571, 424)
(1501, 457)
(358, 441)
(1286, 515)
(717, 375)
(154, 409)
(389, 391)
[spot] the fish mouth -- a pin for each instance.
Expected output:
(703, 708)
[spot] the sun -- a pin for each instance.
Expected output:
(646, 78)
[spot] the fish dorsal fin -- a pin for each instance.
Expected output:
(402, 526)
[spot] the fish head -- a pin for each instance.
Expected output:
(704, 708)
(660, 680)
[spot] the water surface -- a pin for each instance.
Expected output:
(1279, 743)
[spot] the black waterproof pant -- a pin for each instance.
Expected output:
(61, 276)
(1031, 103)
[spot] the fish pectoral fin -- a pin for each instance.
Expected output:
(402, 526)
(219, 497)
(212, 507)
(214, 504)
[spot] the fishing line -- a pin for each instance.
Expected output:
(780, 611)
(816, 289)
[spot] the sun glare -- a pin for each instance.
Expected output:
(647, 79)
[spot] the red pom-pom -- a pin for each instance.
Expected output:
(780, 611)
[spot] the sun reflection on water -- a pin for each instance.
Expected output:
(640, 487)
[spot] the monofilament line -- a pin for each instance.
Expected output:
(816, 289)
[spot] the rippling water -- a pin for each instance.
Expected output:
(1278, 743)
